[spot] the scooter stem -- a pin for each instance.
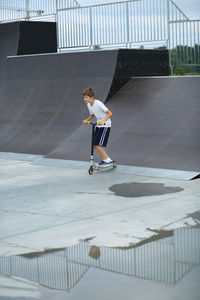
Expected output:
(92, 144)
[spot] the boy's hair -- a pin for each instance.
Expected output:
(89, 92)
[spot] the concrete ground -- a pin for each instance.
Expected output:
(51, 205)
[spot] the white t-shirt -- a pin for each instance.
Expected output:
(99, 110)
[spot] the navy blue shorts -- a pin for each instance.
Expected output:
(101, 136)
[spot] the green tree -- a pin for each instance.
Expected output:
(179, 71)
(96, 47)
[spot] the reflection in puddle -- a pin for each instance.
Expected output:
(166, 260)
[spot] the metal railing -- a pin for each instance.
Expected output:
(27, 9)
(124, 23)
(130, 24)
(184, 40)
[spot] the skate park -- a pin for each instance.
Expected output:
(61, 228)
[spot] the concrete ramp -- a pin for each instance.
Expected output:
(155, 124)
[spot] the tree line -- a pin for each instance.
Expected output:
(185, 59)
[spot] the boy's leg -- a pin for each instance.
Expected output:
(102, 152)
(100, 140)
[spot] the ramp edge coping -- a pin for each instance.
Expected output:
(84, 165)
(164, 77)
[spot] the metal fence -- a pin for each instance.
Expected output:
(184, 40)
(27, 9)
(130, 24)
(124, 23)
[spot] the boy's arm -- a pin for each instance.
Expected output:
(108, 115)
(88, 119)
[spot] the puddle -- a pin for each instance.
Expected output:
(138, 189)
(93, 273)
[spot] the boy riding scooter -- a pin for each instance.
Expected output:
(102, 113)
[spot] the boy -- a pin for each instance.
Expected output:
(102, 113)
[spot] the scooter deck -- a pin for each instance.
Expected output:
(98, 167)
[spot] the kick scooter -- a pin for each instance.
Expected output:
(94, 166)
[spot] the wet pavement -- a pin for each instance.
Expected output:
(168, 268)
(137, 189)
(67, 235)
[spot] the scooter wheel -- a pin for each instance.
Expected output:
(90, 171)
(114, 164)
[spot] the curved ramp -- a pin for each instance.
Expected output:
(155, 120)
(41, 106)
(155, 124)
(158, 125)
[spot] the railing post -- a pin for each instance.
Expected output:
(169, 36)
(127, 24)
(90, 17)
(57, 28)
(10, 266)
(27, 10)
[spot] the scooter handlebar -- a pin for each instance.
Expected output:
(91, 123)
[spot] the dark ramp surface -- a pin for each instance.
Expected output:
(41, 105)
(155, 124)
(40, 97)
(8, 40)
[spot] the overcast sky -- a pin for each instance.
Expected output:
(190, 7)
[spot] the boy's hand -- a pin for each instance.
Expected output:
(100, 123)
(85, 121)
